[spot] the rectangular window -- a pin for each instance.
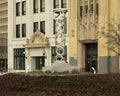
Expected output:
(86, 9)
(19, 59)
(53, 54)
(81, 11)
(56, 4)
(23, 30)
(97, 11)
(18, 9)
(35, 26)
(54, 27)
(91, 8)
(63, 3)
(65, 30)
(18, 31)
(42, 27)
(42, 5)
(35, 6)
(24, 8)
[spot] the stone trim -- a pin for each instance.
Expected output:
(38, 39)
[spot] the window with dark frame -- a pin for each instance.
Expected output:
(42, 27)
(23, 30)
(18, 31)
(63, 3)
(18, 9)
(35, 25)
(24, 8)
(55, 4)
(35, 6)
(65, 25)
(19, 59)
(86, 9)
(42, 5)
(54, 27)
(53, 54)
(91, 8)
(81, 11)
(97, 11)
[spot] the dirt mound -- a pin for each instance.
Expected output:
(71, 85)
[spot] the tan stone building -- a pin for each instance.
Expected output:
(93, 15)
(3, 32)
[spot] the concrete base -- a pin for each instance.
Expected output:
(60, 67)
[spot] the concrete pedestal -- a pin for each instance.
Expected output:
(60, 67)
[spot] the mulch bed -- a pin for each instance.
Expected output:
(60, 85)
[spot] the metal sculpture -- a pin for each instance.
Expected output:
(60, 34)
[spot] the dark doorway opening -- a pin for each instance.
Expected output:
(91, 57)
(40, 62)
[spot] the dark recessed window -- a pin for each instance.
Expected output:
(23, 30)
(18, 31)
(53, 54)
(24, 8)
(42, 26)
(63, 3)
(35, 6)
(97, 11)
(35, 25)
(42, 5)
(18, 9)
(19, 59)
(55, 3)
(86, 9)
(54, 26)
(81, 11)
(91, 8)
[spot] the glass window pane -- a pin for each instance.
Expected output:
(18, 9)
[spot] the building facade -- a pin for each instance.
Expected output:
(31, 38)
(3, 33)
(93, 16)
(32, 31)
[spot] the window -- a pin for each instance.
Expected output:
(35, 6)
(63, 3)
(18, 9)
(23, 30)
(19, 59)
(81, 10)
(24, 8)
(56, 3)
(42, 5)
(91, 8)
(86, 9)
(35, 26)
(18, 31)
(97, 11)
(54, 27)
(53, 54)
(65, 30)
(42, 26)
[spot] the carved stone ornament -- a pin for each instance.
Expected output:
(38, 39)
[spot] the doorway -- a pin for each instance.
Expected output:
(91, 57)
(40, 63)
